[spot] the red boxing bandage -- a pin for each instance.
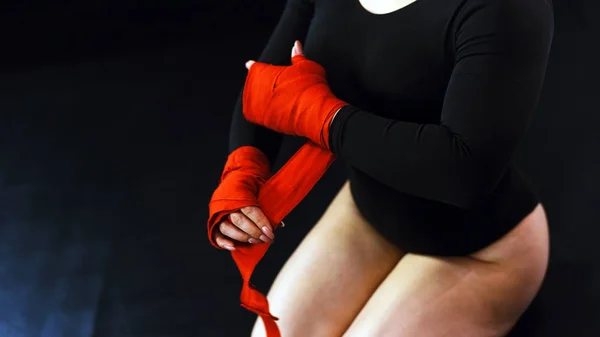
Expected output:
(295, 100)
(247, 168)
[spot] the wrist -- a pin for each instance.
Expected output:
(250, 160)
(334, 109)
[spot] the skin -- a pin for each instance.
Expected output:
(384, 7)
(249, 225)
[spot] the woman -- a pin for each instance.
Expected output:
(435, 233)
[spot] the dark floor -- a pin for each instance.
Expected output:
(107, 162)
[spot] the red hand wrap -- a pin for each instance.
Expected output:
(277, 197)
(246, 170)
(294, 100)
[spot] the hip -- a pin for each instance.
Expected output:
(422, 226)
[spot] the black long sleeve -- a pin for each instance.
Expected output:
(293, 25)
(500, 53)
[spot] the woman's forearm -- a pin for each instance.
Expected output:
(293, 25)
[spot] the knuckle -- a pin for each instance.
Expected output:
(262, 220)
(226, 231)
(250, 210)
(252, 231)
(259, 224)
(222, 226)
(241, 223)
(256, 232)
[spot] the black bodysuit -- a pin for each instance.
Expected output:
(440, 94)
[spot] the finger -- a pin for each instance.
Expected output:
(259, 218)
(223, 242)
(245, 224)
(249, 64)
(231, 231)
(297, 53)
(299, 47)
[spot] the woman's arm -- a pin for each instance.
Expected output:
(501, 50)
(293, 25)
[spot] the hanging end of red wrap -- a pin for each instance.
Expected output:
(253, 300)
(280, 194)
(263, 315)
(246, 169)
(269, 322)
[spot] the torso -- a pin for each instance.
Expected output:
(397, 64)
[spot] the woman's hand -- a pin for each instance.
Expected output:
(294, 100)
(248, 225)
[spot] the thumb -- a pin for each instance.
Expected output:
(297, 53)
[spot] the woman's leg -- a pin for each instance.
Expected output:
(331, 275)
(482, 295)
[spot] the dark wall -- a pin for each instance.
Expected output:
(560, 155)
(34, 32)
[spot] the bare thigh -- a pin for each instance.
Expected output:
(331, 275)
(482, 295)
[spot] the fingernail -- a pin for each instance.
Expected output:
(266, 239)
(253, 241)
(268, 232)
(228, 247)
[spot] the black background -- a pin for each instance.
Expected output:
(113, 131)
